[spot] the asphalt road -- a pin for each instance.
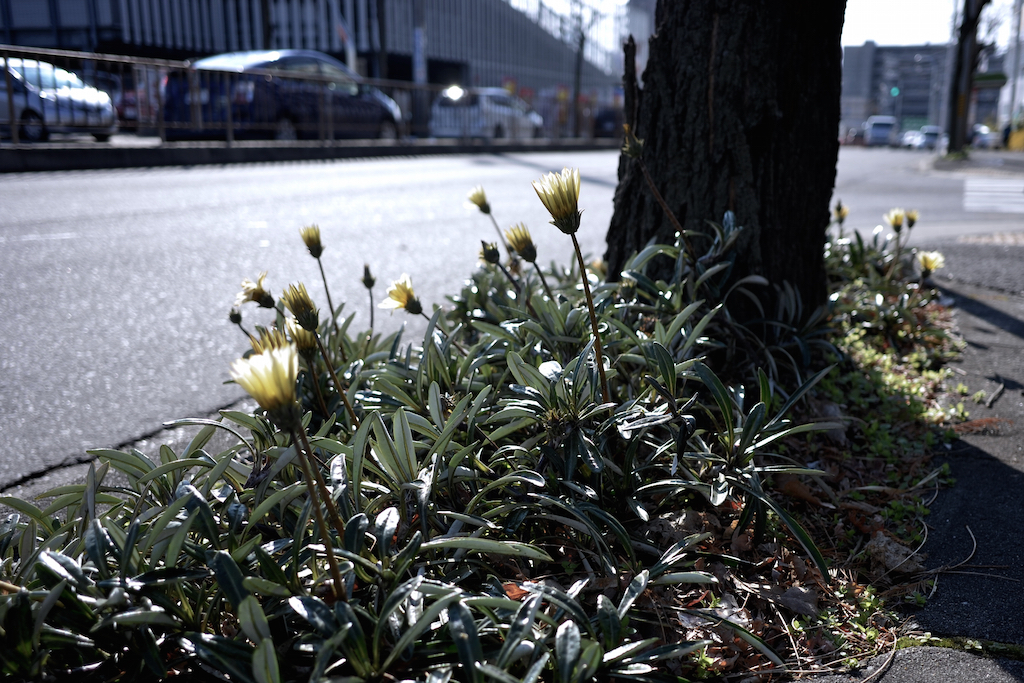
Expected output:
(115, 285)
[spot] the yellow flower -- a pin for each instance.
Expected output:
(840, 212)
(311, 236)
(930, 261)
(254, 291)
(895, 218)
(269, 340)
(304, 340)
(298, 301)
(560, 192)
(489, 252)
(518, 237)
(401, 295)
(269, 378)
(912, 217)
(478, 197)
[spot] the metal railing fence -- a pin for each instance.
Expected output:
(45, 92)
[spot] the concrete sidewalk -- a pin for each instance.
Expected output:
(131, 152)
(976, 528)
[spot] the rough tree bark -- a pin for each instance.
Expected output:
(739, 111)
(962, 80)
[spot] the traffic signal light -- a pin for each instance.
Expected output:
(894, 91)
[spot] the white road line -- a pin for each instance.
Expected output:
(998, 195)
(39, 238)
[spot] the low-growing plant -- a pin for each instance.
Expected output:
(489, 505)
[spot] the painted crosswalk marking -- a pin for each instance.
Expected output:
(997, 195)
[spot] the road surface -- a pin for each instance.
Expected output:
(115, 285)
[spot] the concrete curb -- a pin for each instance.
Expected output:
(87, 156)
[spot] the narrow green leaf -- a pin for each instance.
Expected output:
(252, 619)
(485, 545)
(467, 642)
(229, 578)
(264, 663)
(567, 649)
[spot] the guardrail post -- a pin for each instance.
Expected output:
(161, 127)
(10, 98)
(228, 118)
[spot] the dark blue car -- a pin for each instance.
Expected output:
(275, 94)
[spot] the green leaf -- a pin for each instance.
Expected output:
(154, 616)
(223, 655)
(637, 586)
(721, 396)
(608, 621)
(27, 509)
(282, 497)
(467, 642)
(173, 466)
(318, 614)
(264, 663)
(519, 629)
(65, 568)
(229, 578)
(44, 610)
(485, 545)
(425, 621)
(567, 649)
(384, 528)
(252, 619)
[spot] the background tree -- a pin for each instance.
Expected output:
(739, 111)
(962, 81)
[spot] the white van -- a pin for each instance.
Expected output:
(880, 131)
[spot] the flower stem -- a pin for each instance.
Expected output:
(311, 367)
(664, 207)
(508, 249)
(337, 384)
(334, 318)
(325, 534)
(544, 281)
(247, 333)
(519, 289)
(598, 354)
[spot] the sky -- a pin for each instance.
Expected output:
(912, 22)
(887, 22)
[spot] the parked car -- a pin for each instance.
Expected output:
(930, 137)
(880, 131)
(984, 137)
(483, 113)
(608, 123)
(911, 139)
(48, 99)
(279, 94)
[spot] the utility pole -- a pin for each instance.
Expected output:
(1015, 74)
(419, 69)
(350, 34)
(382, 36)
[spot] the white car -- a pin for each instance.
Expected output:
(483, 113)
(48, 99)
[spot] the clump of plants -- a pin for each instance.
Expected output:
(564, 480)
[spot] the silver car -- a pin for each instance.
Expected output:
(47, 99)
(483, 113)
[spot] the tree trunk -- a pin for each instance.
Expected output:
(739, 111)
(962, 80)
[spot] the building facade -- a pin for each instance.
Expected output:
(465, 42)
